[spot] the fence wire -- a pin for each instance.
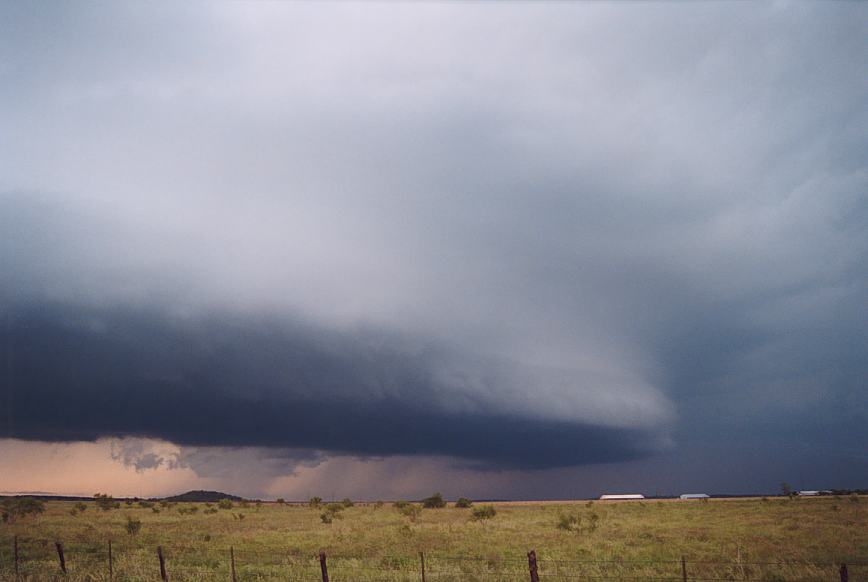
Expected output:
(40, 559)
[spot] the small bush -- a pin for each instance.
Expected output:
(155, 509)
(281, 501)
(133, 526)
(410, 511)
(378, 505)
(315, 502)
(15, 508)
(332, 512)
(164, 504)
(569, 522)
(854, 498)
(347, 502)
(210, 510)
(400, 504)
(225, 504)
(239, 516)
(483, 512)
(105, 501)
(434, 502)
(463, 503)
(146, 504)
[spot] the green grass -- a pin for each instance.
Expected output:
(776, 539)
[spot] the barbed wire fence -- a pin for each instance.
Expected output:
(31, 559)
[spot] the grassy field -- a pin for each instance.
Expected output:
(734, 539)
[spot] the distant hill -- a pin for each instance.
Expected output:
(203, 497)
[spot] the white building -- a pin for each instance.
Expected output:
(694, 496)
(621, 497)
(808, 493)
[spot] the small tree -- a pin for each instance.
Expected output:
(463, 503)
(786, 490)
(434, 502)
(315, 502)
(281, 501)
(80, 506)
(133, 526)
(225, 504)
(347, 502)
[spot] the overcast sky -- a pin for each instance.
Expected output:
(381, 249)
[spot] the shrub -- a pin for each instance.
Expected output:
(347, 502)
(15, 508)
(81, 506)
(400, 504)
(378, 505)
(569, 522)
(210, 510)
(239, 516)
(410, 511)
(281, 500)
(164, 504)
(483, 512)
(463, 503)
(133, 526)
(315, 502)
(225, 504)
(188, 510)
(146, 504)
(105, 501)
(854, 498)
(434, 502)
(155, 509)
(332, 512)
(128, 502)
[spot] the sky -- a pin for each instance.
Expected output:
(377, 250)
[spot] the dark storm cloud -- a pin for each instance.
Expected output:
(84, 374)
(481, 228)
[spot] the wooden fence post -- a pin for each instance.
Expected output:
(845, 576)
(111, 563)
(60, 557)
(232, 561)
(683, 569)
(323, 567)
(422, 560)
(15, 553)
(531, 564)
(163, 576)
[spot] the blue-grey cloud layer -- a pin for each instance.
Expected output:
(564, 228)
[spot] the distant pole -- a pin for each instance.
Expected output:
(323, 567)
(232, 561)
(60, 557)
(422, 560)
(845, 577)
(111, 564)
(163, 575)
(531, 564)
(683, 569)
(15, 553)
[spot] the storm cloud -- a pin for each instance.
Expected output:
(519, 236)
